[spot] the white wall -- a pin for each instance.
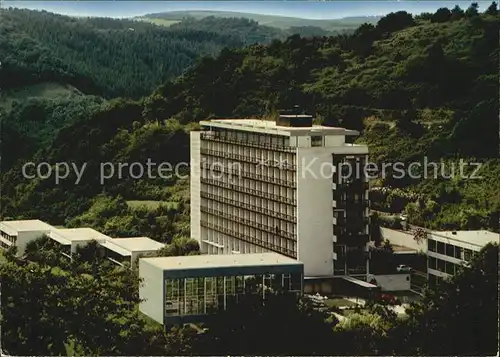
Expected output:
(334, 140)
(458, 243)
(195, 186)
(392, 282)
(83, 243)
(23, 238)
(403, 239)
(151, 291)
(315, 211)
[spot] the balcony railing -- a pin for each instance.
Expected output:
(351, 221)
(250, 207)
(253, 224)
(353, 204)
(249, 175)
(250, 191)
(249, 239)
(250, 159)
(255, 144)
(358, 240)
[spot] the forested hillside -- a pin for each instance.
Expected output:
(107, 57)
(278, 22)
(249, 31)
(414, 87)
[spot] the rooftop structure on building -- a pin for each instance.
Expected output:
(71, 235)
(21, 232)
(26, 225)
(233, 261)
(479, 238)
(274, 186)
(283, 127)
(120, 250)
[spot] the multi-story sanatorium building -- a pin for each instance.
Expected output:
(274, 186)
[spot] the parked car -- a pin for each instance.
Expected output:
(403, 269)
(389, 299)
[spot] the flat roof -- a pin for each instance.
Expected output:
(359, 282)
(27, 225)
(479, 238)
(401, 248)
(116, 248)
(220, 261)
(78, 234)
(270, 127)
(136, 244)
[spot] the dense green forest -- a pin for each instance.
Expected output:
(415, 87)
(108, 57)
(55, 307)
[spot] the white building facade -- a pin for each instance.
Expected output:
(447, 251)
(121, 250)
(20, 233)
(264, 186)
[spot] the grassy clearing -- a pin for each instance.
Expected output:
(45, 90)
(151, 205)
(348, 312)
(339, 302)
(159, 22)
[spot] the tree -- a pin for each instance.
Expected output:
(395, 21)
(420, 235)
(492, 9)
(457, 13)
(180, 247)
(472, 10)
(276, 324)
(424, 16)
(445, 321)
(443, 14)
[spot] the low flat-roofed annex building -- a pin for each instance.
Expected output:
(121, 250)
(19, 233)
(447, 250)
(185, 289)
(72, 238)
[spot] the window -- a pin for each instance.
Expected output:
(467, 254)
(458, 252)
(440, 247)
(172, 296)
(441, 265)
(432, 281)
(450, 268)
(432, 263)
(316, 141)
(450, 250)
(431, 245)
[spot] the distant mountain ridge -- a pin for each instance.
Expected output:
(281, 22)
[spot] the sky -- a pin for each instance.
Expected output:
(302, 9)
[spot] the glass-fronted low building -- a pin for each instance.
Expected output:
(184, 289)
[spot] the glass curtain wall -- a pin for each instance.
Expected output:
(205, 295)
